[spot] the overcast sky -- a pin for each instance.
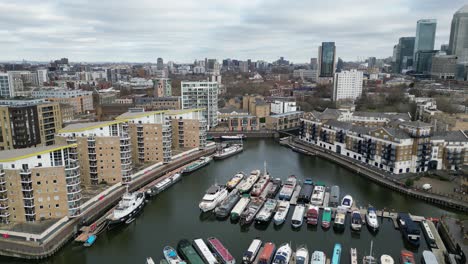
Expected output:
(184, 30)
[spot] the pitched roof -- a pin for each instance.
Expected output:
(450, 136)
(416, 124)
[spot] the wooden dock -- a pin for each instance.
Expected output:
(440, 251)
(93, 229)
(295, 195)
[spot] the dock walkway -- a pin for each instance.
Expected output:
(440, 251)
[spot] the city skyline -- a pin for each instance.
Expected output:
(183, 31)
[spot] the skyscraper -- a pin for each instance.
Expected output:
(160, 64)
(459, 34)
(326, 59)
(425, 35)
(404, 54)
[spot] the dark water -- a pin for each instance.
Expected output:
(174, 214)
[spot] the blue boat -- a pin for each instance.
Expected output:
(336, 254)
(90, 241)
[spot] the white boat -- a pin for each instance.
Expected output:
(283, 254)
(317, 195)
(318, 257)
(288, 188)
(264, 216)
(164, 184)
(281, 213)
(369, 259)
(239, 208)
(347, 201)
(228, 152)
(298, 216)
(234, 181)
(246, 185)
(260, 185)
(354, 256)
(371, 219)
(204, 252)
(235, 137)
(213, 197)
(356, 221)
(386, 259)
(252, 251)
(302, 255)
(128, 208)
(149, 260)
(171, 256)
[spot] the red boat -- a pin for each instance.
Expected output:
(267, 253)
(312, 215)
(220, 251)
(407, 257)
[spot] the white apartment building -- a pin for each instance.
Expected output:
(281, 107)
(202, 95)
(19, 81)
(4, 85)
(347, 85)
(42, 76)
(81, 101)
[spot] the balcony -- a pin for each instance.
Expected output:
(4, 206)
(4, 214)
(25, 172)
(92, 157)
(91, 140)
(28, 197)
(26, 188)
(30, 213)
(29, 203)
(26, 180)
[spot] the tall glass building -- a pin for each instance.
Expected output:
(425, 35)
(326, 56)
(459, 34)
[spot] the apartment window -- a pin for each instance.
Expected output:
(55, 181)
(41, 207)
(12, 166)
(38, 174)
(38, 156)
(38, 183)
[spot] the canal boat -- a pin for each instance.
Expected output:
(334, 196)
(273, 188)
(306, 191)
(317, 195)
(428, 234)
(336, 254)
(428, 257)
(326, 217)
(340, 219)
(409, 229)
(347, 201)
(371, 219)
(369, 259)
(267, 253)
(220, 251)
(353, 256)
(163, 185)
(204, 252)
(312, 215)
(288, 188)
(188, 252)
(212, 198)
(407, 257)
(239, 208)
(248, 215)
(129, 206)
(223, 210)
(356, 221)
(149, 260)
(318, 257)
(234, 137)
(251, 253)
(260, 185)
(264, 215)
(246, 185)
(171, 256)
(302, 255)
(234, 181)
(283, 254)
(228, 152)
(386, 259)
(201, 162)
(298, 216)
(90, 241)
(281, 213)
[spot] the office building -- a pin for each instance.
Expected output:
(372, 62)
(425, 35)
(444, 66)
(28, 123)
(404, 54)
(201, 95)
(162, 87)
(4, 85)
(423, 61)
(283, 106)
(39, 183)
(42, 76)
(82, 101)
(458, 44)
(21, 82)
(347, 85)
(326, 59)
(285, 121)
(160, 64)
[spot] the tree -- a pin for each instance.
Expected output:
(409, 182)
